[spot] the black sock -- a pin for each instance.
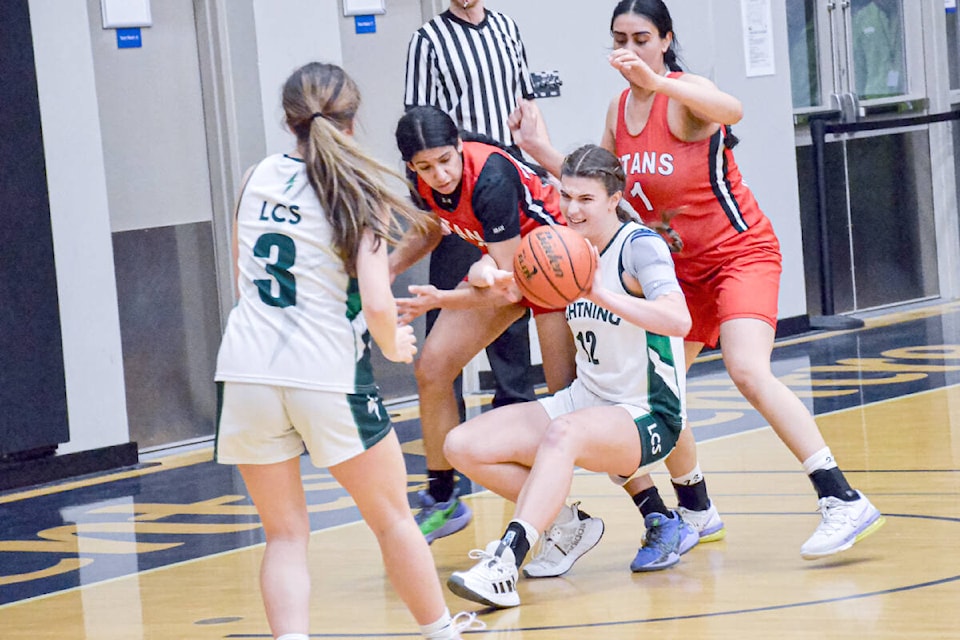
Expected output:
(581, 514)
(692, 496)
(649, 501)
(515, 537)
(831, 482)
(440, 484)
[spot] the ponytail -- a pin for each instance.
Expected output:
(320, 102)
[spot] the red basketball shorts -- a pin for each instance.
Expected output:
(740, 279)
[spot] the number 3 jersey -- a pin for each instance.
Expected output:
(617, 360)
(298, 322)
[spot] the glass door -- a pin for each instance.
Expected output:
(852, 62)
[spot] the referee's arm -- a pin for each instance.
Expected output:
(526, 80)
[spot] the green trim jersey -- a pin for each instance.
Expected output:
(617, 360)
(298, 322)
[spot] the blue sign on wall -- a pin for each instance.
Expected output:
(129, 38)
(365, 24)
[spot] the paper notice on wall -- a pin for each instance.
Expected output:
(758, 37)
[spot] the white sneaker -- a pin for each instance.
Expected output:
(707, 523)
(492, 581)
(842, 524)
(568, 538)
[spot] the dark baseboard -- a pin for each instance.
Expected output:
(19, 472)
(789, 327)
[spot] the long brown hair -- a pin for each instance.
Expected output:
(320, 102)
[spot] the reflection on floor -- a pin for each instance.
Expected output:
(170, 550)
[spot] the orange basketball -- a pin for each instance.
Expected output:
(553, 266)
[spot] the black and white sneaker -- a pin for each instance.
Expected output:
(492, 581)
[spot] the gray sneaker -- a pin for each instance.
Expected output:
(707, 523)
(568, 538)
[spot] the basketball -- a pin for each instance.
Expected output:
(553, 266)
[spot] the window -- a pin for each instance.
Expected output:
(877, 45)
(845, 52)
(804, 68)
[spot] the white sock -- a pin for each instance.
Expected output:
(532, 534)
(442, 629)
(822, 459)
(688, 479)
(294, 636)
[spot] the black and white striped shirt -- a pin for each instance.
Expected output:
(475, 73)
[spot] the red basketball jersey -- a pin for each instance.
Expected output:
(540, 203)
(697, 183)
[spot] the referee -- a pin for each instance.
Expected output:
(471, 63)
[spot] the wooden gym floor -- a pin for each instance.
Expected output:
(170, 550)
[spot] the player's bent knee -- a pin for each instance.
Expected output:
(434, 370)
(561, 435)
(457, 448)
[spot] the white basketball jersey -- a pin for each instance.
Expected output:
(619, 361)
(298, 322)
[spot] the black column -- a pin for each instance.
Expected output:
(33, 402)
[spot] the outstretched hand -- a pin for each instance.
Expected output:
(425, 297)
(506, 286)
(635, 70)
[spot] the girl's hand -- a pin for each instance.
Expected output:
(482, 273)
(596, 287)
(505, 285)
(425, 297)
(635, 70)
(404, 345)
(527, 126)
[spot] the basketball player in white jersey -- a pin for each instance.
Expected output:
(626, 407)
(310, 243)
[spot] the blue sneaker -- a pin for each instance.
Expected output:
(689, 537)
(439, 519)
(661, 544)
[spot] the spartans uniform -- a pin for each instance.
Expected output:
(295, 355)
(498, 198)
(619, 363)
(729, 266)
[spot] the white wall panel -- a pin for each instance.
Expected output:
(80, 219)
